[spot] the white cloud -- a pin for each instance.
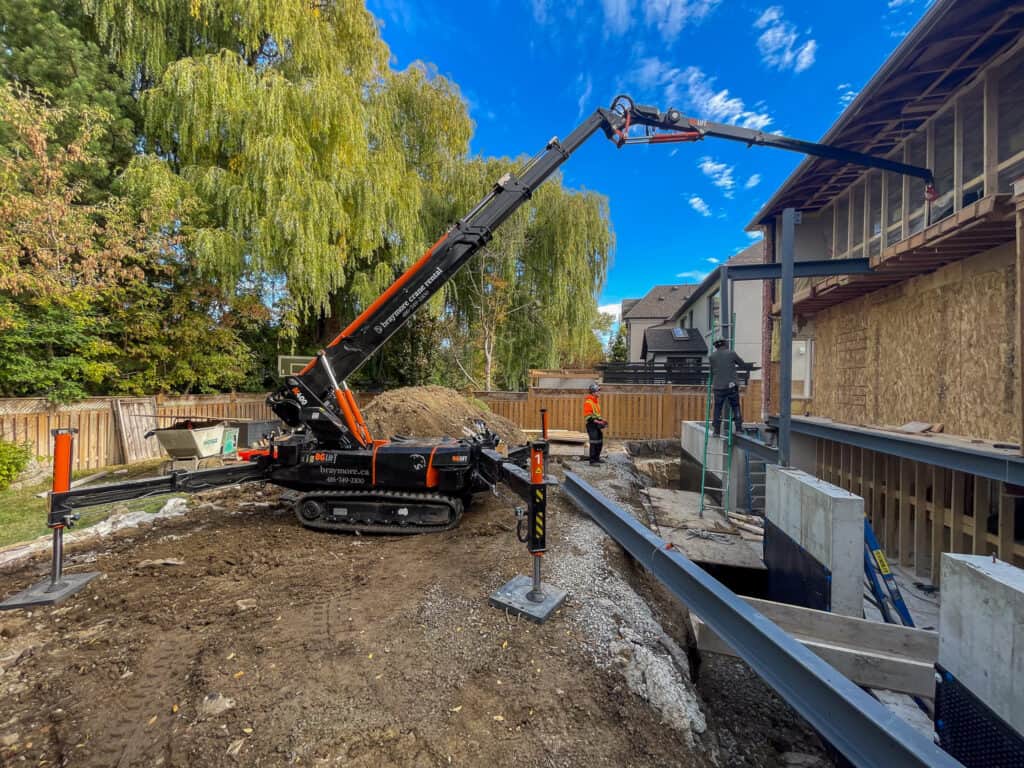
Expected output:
(712, 260)
(615, 310)
(780, 44)
(846, 94)
(719, 173)
(753, 181)
(694, 90)
(698, 204)
(618, 15)
(540, 11)
(670, 16)
(584, 101)
(694, 275)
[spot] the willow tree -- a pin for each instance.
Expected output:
(310, 154)
(529, 298)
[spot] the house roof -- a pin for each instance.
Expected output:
(628, 304)
(752, 254)
(947, 48)
(661, 302)
(669, 338)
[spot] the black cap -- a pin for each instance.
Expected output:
(720, 342)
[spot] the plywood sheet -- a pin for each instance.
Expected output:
(938, 348)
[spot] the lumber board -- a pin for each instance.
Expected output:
(877, 655)
(559, 435)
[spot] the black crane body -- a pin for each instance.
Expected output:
(343, 477)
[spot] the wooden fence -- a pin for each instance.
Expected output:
(101, 438)
(920, 510)
(633, 412)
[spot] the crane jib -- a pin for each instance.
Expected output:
(439, 264)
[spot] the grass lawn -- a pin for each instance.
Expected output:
(23, 516)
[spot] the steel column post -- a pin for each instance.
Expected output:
(786, 336)
(725, 320)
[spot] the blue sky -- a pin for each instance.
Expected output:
(531, 69)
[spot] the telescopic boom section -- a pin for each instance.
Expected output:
(322, 381)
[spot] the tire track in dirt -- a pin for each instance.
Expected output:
(145, 721)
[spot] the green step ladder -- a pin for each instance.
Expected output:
(727, 439)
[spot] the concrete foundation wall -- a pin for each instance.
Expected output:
(981, 631)
(693, 444)
(828, 522)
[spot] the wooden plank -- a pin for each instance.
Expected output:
(877, 655)
(877, 511)
(891, 505)
(956, 506)
(982, 499)
(906, 533)
(922, 550)
(1006, 519)
(938, 520)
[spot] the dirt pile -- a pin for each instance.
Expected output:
(434, 412)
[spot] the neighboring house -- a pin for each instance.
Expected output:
(935, 332)
(701, 311)
(660, 303)
(672, 344)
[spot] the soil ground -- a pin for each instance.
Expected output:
(234, 636)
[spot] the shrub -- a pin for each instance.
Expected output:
(13, 459)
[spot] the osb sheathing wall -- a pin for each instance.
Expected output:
(938, 348)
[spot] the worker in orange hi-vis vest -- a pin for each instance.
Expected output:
(595, 424)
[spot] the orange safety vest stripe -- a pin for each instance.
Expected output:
(591, 407)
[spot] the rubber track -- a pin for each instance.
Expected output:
(413, 499)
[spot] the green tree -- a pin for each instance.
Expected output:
(618, 351)
(49, 49)
(310, 154)
(96, 297)
(528, 300)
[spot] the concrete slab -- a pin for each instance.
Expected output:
(981, 631)
(709, 539)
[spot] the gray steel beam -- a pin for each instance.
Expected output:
(815, 268)
(973, 461)
(786, 335)
(763, 451)
(861, 728)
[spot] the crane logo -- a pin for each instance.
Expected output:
(418, 462)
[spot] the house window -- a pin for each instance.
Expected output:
(942, 142)
(1010, 124)
(857, 222)
(689, 322)
(842, 226)
(714, 310)
(894, 208)
(917, 154)
(874, 214)
(803, 366)
(972, 124)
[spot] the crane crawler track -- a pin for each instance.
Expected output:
(397, 512)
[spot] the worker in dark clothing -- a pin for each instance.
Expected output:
(724, 364)
(595, 424)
